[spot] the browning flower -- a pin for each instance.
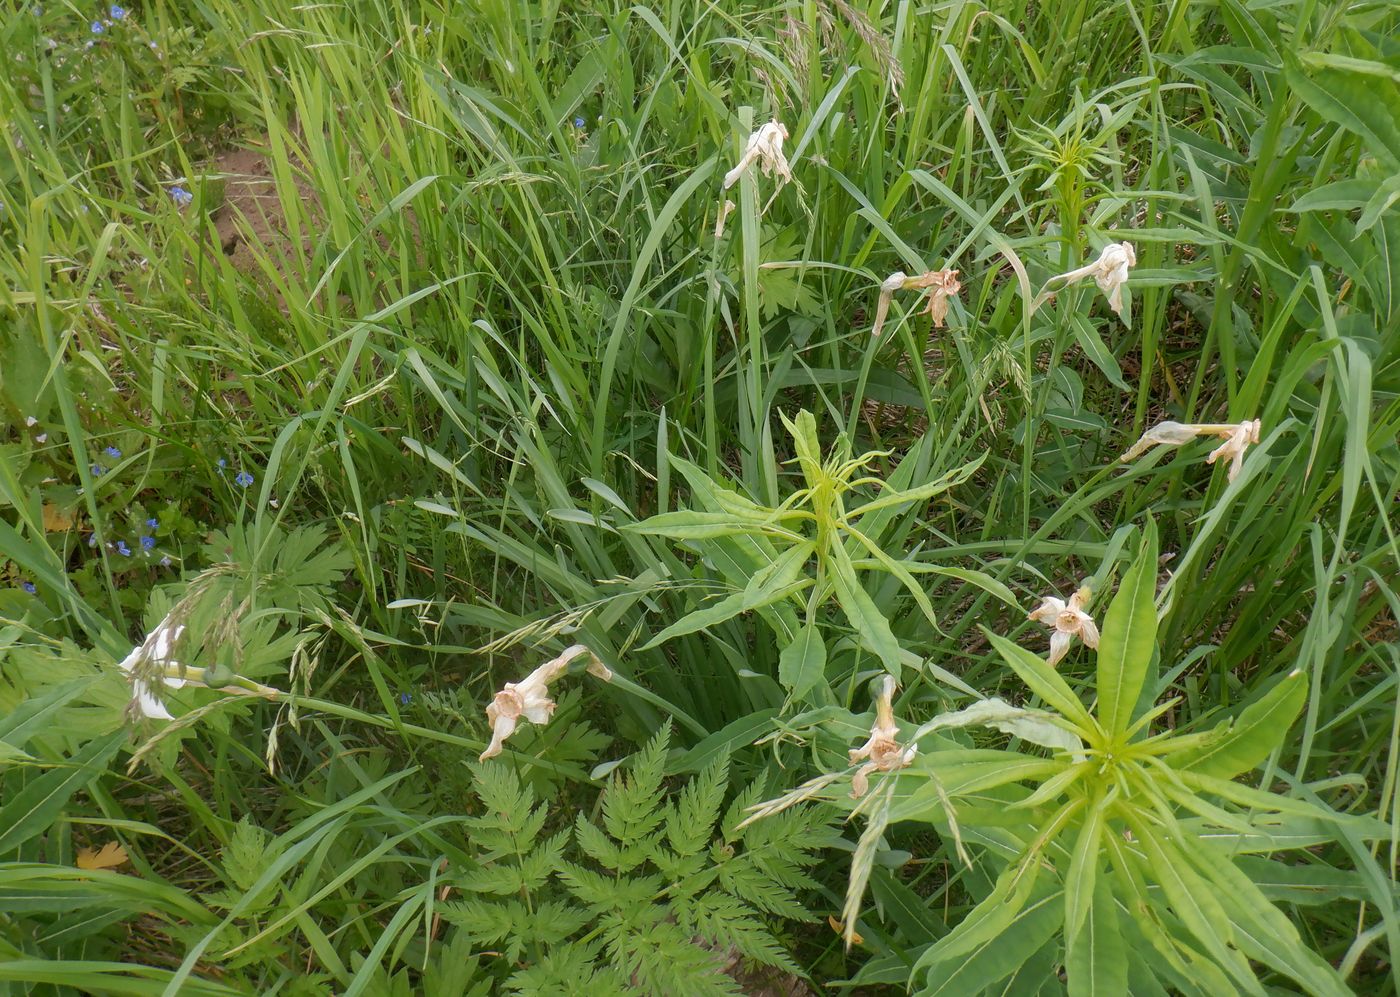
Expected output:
(941, 286)
(1067, 620)
(766, 148)
(1237, 436)
(529, 698)
(882, 750)
(1110, 272)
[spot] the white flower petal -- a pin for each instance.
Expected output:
(146, 702)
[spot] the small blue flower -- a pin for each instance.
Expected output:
(98, 27)
(153, 522)
(97, 470)
(123, 549)
(579, 122)
(182, 197)
(28, 587)
(92, 540)
(165, 561)
(117, 13)
(147, 543)
(243, 479)
(222, 464)
(113, 452)
(405, 699)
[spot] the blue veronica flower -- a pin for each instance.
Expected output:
(182, 197)
(147, 543)
(165, 561)
(222, 463)
(153, 522)
(243, 479)
(113, 452)
(117, 13)
(579, 122)
(98, 27)
(97, 470)
(123, 549)
(92, 540)
(28, 587)
(405, 698)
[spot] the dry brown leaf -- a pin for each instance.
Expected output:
(57, 520)
(109, 856)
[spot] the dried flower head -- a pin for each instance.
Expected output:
(1237, 436)
(941, 285)
(766, 148)
(529, 698)
(1110, 272)
(1067, 621)
(882, 752)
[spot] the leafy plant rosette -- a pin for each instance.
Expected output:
(787, 562)
(1130, 857)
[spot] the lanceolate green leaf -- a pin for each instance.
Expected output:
(1128, 639)
(1042, 680)
(1083, 869)
(38, 804)
(1263, 931)
(802, 664)
(861, 610)
(1260, 728)
(1097, 961)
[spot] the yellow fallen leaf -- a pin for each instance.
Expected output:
(57, 520)
(109, 856)
(840, 929)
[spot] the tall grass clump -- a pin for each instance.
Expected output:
(902, 497)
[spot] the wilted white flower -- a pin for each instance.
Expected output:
(766, 148)
(724, 211)
(155, 652)
(1068, 620)
(529, 698)
(1110, 272)
(941, 286)
(1237, 435)
(882, 750)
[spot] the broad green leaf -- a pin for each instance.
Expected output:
(997, 958)
(1354, 100)
(690, 525)
(771, 584)
(1262, 930)
(1042, 680)
(1260, 728)
(1083, 869)
(1195, 902)
(802, 664)
(33, 715)
(1035, 726)
(38, 804)
(806, 444)
(862, 612)
(987, 920)
(981, 579)
(1097, 961)
(1128, 638)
